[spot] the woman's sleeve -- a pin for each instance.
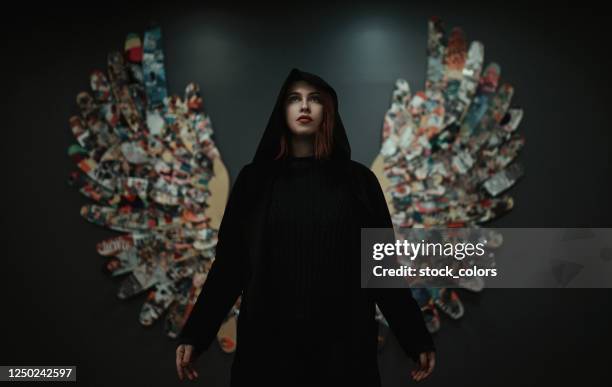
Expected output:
(225, 279)
(398, 305)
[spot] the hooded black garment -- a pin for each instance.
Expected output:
(269, 339)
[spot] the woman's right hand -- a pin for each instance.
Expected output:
(185, 362)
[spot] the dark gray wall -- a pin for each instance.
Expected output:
(59, 308)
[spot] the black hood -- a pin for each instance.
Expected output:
(269, 145)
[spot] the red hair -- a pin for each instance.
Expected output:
(323, 140)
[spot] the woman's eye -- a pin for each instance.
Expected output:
(296, 98)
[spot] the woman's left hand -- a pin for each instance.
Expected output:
(426, 364)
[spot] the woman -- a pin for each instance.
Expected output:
(289, 244)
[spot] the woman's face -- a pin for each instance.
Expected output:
(304, 109)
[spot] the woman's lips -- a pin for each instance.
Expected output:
(304, 119)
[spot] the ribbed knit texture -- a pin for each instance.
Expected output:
(309, 226)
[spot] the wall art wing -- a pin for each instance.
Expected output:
(149, 164)
(448, 153)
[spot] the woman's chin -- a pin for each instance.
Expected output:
(304, 130)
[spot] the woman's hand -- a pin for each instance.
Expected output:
(427, 362)
(184, 362)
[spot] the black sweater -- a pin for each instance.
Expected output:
(309, 282)
(309, 229)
